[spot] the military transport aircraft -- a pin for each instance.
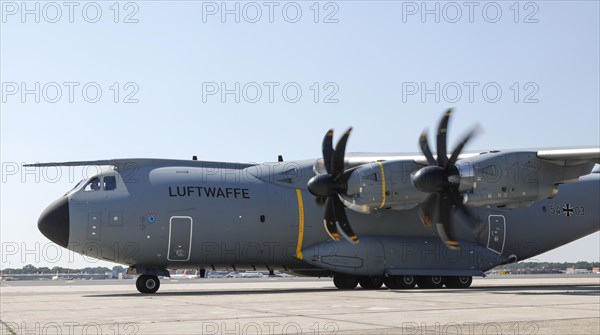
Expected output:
(362, 218)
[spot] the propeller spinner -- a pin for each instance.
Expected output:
(441, 179)
(331, 185)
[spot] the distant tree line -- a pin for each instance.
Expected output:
(549, 265)
(30, 269)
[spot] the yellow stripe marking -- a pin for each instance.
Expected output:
(300, 224)
(382, 185)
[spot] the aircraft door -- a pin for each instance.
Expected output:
(180, 238)
(497, 233)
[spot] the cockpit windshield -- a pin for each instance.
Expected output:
(106, 183)
(97, 183)
(79, 184)
(76, 187)
(93, 185)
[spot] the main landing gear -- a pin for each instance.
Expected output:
(147, 284)
(349, 282)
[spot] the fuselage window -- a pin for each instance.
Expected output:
(110, 183)
(93, 184)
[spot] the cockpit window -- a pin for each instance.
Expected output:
(93, 185)
(110, 183)
(76, 187)
(78, 184)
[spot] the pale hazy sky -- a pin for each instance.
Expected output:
(144, 79)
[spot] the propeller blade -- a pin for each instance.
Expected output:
(441, 230)
(441, 180)
(340, 151)
(327, 149)
(329, 220)
(444, 223)
(343, 177)
(424, 143)
(341, 220)
(426, 209)
(320, 201)
(442, 157)
(466, 217)
(460, 146)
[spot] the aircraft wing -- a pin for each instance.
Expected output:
(568, 157)
(358, 158)
(571, 156)
(139, 162)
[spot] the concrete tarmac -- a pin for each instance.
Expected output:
(557, 304)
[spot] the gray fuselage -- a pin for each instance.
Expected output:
(262, 217)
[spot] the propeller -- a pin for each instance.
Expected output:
(441, 179)
(331, 184)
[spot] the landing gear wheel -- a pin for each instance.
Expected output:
(147, 284)
(345, 282)
(400, 282)
(458, 282)
(430, 282)
(371, 283)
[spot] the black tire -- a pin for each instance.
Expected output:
(429, 282)
(345, 282)
(400, 282)
(138, 285)
(370, 283)
(458, 282)
(147, 284)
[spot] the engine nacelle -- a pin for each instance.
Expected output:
(505, 179)
(383, 185)
(511, 179)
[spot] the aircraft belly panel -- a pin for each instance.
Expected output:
(376, 256)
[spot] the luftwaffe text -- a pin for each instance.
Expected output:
(209, 192)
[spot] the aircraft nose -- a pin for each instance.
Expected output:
(54, 222)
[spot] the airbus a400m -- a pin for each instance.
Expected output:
(365, 218)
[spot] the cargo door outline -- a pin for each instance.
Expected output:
(496, 233)
(178, 238)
